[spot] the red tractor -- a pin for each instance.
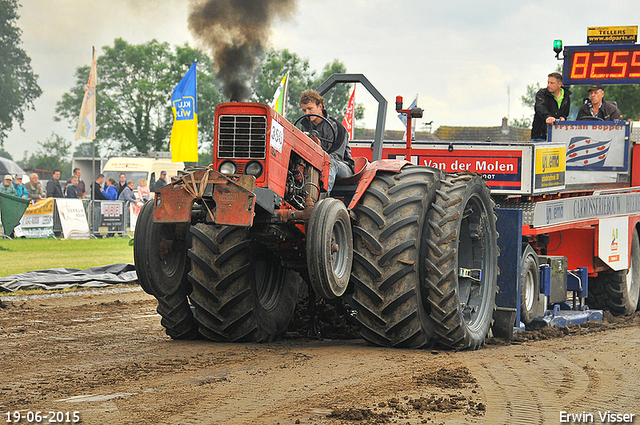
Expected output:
(223, 248)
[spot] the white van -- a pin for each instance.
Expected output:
(138, 168)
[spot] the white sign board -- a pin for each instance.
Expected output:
(277, 135)
(73, 218)
(613, 242)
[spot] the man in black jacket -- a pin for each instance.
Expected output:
(597, 107)
(552, 104)
(54, 190)
(96, 189)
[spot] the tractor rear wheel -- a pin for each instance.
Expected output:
(240, 290)
(388, 269)
(619, 291)
(462, 261)
(159, 252)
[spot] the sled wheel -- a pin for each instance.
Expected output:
(240, 290)
(462, 261)
(329, 248)
(530, 286)
(619, 291)
(389, 238)
(159, 252)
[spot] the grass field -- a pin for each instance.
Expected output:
(23, 255)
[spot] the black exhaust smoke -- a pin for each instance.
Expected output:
(236, 31)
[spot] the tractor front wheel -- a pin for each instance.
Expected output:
(241, 293)
(159, 252)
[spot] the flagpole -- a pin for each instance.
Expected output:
(93, 161)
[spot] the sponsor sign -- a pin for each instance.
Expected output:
(37, 221)
(501, 168)
(613, 242)
(606, 35)
(134, 211)
(594, 146)
(567, 210)
(73, 218)
(549, 168)
(111, 213)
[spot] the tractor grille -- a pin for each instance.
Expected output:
(242, 136)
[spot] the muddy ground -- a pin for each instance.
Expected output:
(104, 354)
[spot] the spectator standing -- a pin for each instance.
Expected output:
(71, 189)
(34, 188)
(161, 182)
(96, 189)
(21, 191)
(7, 186)
(110, 191)
(552, 104)
(143, 190)
(81, 188)
(53, 186)
(127, 193)
(122, 183)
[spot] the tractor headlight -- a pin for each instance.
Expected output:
(253, 168)
(228, 167)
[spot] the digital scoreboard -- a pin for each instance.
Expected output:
(606, 64)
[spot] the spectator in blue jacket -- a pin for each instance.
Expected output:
(21, 191)
(110, 191)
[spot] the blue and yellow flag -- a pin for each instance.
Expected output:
(184, 134)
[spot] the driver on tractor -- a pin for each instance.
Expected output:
(332, 134)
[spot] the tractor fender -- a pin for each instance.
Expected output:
(369, 173)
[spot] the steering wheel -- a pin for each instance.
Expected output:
(588, 118)
(335, 136)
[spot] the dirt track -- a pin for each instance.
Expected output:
(105, 354)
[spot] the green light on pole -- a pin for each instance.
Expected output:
(557, 47)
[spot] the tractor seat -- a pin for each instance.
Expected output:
(360, 164)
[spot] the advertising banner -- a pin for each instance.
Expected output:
(112, 214)
(73, 218)
(37, 221)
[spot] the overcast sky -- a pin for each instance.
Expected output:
(462, 57)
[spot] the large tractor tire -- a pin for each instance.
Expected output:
(619, 291)
(241, 293)
(388, 270)
(462, 261)
(159, 252)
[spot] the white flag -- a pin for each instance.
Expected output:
(87, 119)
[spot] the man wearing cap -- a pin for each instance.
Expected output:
(21, 191)
(596, 107)
(552, 104)
(7, 186)
(161, 182)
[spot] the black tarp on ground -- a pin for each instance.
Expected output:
(61, 278)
